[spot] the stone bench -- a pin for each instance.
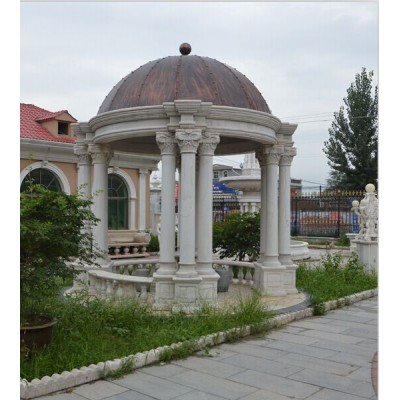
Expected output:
(105, 284)
(127, 244)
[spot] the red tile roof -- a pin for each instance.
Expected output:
(30, 128)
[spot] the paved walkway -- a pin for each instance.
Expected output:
(331, 357)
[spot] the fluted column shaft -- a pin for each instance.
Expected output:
(271, 216)
(188, 142)
(143, 199)
(101, 156)
(167, 145)
(284, 206)
(83, 178)
(204, 208)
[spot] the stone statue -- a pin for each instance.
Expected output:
(367, 212)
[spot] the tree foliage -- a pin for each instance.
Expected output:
(352, 148)
(238, 236)
(55, 228)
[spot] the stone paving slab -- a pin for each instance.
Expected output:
(304, 360)
(335, 382)
(208, 383)
(158, 388)
(283, 386)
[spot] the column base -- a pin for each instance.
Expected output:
(208, 289)
(187, 294)
(290, 279)
(271, 279)
(204, 268)
(167, 268)
(164, 292)
(187, 270)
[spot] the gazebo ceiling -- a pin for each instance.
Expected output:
(184, 77)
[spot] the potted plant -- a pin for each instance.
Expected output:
(55, 229)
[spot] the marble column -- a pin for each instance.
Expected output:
(205, 205)
(208, 286)
(164, 291)
(143, 173)
(101, 155)
(84, 166)
(167, 145)
(271, 272)
(188, 142)
(284, 220)
(187, 280)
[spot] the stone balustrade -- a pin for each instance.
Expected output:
(243, 270)
(110, 285)
(127, 244)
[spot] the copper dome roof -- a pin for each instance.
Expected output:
(184, 77)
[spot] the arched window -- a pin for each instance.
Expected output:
(43, 177)
(117, 203)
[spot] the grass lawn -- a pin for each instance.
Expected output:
(91, 330)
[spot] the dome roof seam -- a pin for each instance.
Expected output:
(232, 71)
(213, 83)
(147, 75)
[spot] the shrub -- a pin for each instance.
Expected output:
(154, 244)
(238, 236)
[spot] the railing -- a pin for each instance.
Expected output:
(129, 267)
(119, 279)
(242, 272)
(324, 214)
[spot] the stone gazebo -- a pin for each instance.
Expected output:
(187, 109)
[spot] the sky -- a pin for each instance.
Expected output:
(301, 56)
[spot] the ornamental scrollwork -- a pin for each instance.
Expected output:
(166, 143)
(188, 139)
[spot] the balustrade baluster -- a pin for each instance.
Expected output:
(248, 276)
(240, 275)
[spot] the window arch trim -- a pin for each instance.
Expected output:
(65, 186)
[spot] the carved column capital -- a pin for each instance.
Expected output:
(100, 153)
(188, 139)
(166, 143)
(287, 156)
(261, 157)
(81, 150)
(208, 144)
(143, 171)
(273, 154)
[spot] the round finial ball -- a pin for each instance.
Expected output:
(355, 203)
(185, 49)
(370, 188)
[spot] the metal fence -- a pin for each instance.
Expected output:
(223, 206)
(325, 214)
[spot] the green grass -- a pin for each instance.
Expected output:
(90, 331)
(334, 278)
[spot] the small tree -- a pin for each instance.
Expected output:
(238, 236)
(352, 148)
(55, 229)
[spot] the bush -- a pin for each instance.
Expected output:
(154, 245)
(238, 236)
(55, 229)
(343, 241)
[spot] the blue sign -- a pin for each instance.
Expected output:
(219, 187)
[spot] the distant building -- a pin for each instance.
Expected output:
(48, 156)
(223, 171)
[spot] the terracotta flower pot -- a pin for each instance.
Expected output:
(36, 336)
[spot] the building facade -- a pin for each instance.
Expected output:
(49, 156)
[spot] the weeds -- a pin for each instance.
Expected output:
(90, 330)
(334, 278)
